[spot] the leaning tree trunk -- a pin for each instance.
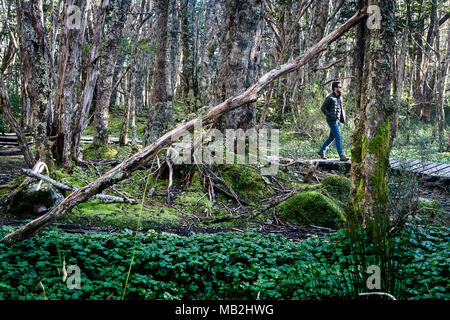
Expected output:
(108, 60)
(238, 61)
(137, 160)
(372, 139)
(158, 118)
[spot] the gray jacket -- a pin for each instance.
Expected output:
(331, 110)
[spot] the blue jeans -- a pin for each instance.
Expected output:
(334, 135)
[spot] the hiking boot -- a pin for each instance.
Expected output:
(322, 155)
(344, 158)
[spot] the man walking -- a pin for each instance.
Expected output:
(334, 111)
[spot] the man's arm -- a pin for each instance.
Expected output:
(325, 107)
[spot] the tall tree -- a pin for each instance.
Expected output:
(212, 34)
(91, 76)
(159, 115)
(71, 40)
(107, 63)
(238, 61)
(38, 66)
(372, 139)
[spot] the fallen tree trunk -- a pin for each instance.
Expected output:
(124, 169)
(61, 186)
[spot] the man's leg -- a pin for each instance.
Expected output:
(327, 142)
(337, 138)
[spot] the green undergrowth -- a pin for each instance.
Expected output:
(215, 266)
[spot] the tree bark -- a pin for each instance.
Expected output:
(372, 139)
(158, 118)
(213, 32)
(71, 40)
(38, 66)
(442, 75)
(106, 69)
(82, 115)
(238, 60)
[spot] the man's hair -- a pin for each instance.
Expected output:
(334, 84)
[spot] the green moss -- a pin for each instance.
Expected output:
(194, 201)
(338, 187)
(104, 151)
(77, 179)
(196, 182)
(246, 181)
(312, 207)
(305, 186)
(123, 215)
(380, 147)
(4, 192)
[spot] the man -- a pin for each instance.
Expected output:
(334, 112)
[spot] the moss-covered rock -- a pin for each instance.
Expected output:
(246, 181)
(34, 200)
(311, 207)
(337, 186)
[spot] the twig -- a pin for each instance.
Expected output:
(378, 293)
(273, 204)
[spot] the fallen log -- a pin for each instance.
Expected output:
(124, 169)
(61, 186)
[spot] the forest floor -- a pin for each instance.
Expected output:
(191, 211)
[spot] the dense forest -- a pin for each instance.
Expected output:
(177, 149)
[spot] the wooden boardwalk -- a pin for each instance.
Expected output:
(424, 169)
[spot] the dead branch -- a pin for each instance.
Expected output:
(274, 203)
(64, 187)
(135, 161)
(312, 168)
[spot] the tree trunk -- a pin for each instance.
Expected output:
(439, 125)
(238, 60)
(158, 118)
(107, 64)
(37, 64)
(213, 32)
(71, 39)
(372, 139)
(82, 115)
(21, 139)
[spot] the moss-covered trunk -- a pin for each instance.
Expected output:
(371, 139)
